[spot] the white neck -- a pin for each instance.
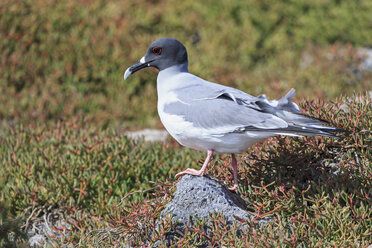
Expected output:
(164, 80)
(176, 68)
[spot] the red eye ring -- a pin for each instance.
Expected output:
(157, 50)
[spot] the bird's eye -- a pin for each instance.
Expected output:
(156, 50)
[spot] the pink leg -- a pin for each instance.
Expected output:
(234, 165)
(200, 172)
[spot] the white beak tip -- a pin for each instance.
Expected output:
(127, 73)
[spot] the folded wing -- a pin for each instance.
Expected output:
(227, 110)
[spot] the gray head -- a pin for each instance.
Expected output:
(162, 53)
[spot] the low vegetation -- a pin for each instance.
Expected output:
(317, 189)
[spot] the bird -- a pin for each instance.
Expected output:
(214, 118)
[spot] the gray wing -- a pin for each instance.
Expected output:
(226, 109)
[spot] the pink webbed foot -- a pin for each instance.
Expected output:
(192, 172)
(200, 172)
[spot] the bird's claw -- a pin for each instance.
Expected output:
(234, 188)
(192, 172)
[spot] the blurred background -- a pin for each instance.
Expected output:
(64, 110)
(65, 59)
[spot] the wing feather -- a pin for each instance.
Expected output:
(223, 109)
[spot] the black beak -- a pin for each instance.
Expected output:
(136, 67)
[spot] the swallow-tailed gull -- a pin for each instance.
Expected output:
(214, 118)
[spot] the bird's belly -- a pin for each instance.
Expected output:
(204, 139)
(228, 143)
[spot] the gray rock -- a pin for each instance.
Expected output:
(202, 196)
(366, 54)
(149, 135)
(46, 227)
(37, 240)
